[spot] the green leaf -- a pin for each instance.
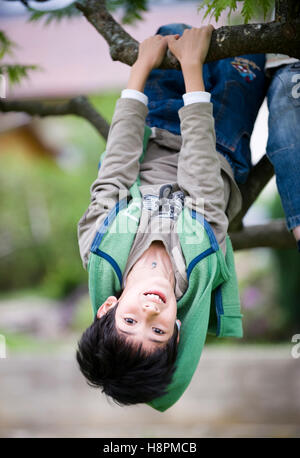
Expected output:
(17, 72)
(6, 45)
(216, 7)
(247, 10)
(55, 15)
(132, 9)
(250, 9)
(267, 6)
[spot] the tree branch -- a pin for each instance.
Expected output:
(286, 10)
(122, 46)
(273, 235)
(259, 176)
(79, 106)
(227, 41)
(272, 37)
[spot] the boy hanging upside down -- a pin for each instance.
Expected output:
(154, 238)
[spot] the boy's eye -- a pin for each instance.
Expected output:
(158, 331)
(129, 320)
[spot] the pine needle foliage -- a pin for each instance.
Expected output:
(250, 8)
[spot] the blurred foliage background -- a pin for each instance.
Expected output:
(41, 203)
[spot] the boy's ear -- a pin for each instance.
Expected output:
(106, 306)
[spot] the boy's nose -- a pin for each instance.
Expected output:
(151, 308)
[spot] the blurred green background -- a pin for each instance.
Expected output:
(41, 201)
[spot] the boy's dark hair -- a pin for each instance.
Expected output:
(124, 371)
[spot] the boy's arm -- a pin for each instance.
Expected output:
(120, 166)
(118, 170)
(199, 171)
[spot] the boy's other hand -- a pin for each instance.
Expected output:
(192, 46)
(152, 50)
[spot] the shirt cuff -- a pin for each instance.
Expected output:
(196, 96)
(133, 94)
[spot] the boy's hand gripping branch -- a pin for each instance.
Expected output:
(151, 54)
(192, 46)
(190, 49)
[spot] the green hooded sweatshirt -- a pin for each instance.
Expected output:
(211, 302)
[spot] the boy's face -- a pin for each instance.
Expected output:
(143, 317)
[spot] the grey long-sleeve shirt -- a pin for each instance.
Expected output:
(190, 163)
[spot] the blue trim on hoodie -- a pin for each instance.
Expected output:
(197, 259)
(211, 235)
(214, 246)
(207, 226)
(106, 223)
(219, 306)
(112, 262)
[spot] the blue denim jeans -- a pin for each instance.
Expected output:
(237, 86)
(283, 148)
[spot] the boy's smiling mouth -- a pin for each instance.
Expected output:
(156, 295)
